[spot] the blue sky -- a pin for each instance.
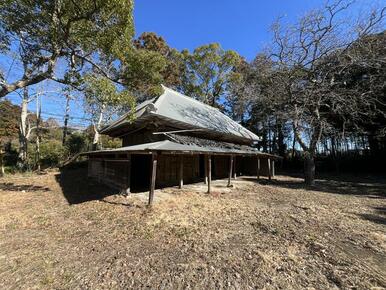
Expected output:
(241, 25)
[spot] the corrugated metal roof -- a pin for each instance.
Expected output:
(169, 146)
(183, 109)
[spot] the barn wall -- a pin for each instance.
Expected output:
(249, 166)
(168, 169)
(111, 172)
(95, 168)
(220, 166)
(115, 172)
(141, 137)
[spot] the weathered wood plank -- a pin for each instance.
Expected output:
(230, 170)
(181, 177)
(234, 169)
(269, 168)
(128, 173)
(206, 169)
(209, 173)
(154, 160)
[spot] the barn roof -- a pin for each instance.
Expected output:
(167, 146)
(182, 110)
(182, 144)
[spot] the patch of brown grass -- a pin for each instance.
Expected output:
(267, 235)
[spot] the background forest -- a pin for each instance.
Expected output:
(316, 95)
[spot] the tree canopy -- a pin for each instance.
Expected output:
(43, 32)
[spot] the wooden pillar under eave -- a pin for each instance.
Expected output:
(154, 160)
(258, 168)
(209, 172)
(234, 168)
(269, 168)
(128, 173)
(273, 168)
(181, 173)
(206, 169)
(230, 170)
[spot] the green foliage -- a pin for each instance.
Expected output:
(109, 142)
(66, 24)
(52, 152)
(75, 31)
(9, 118)
(143, 71)
(170, 71)
(76, 143)
(207, 71)
(102, 97)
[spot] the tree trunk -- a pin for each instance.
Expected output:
(280, 140)
(38, 113)
(97, 126)
(293, 147)
(264, 141)
(95, 141)
(23, 142)
(309, 169)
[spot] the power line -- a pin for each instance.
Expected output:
(62, 116)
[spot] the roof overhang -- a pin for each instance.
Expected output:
(170, 147)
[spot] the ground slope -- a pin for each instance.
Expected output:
(60, 231)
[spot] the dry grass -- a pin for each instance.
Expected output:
(267, 235)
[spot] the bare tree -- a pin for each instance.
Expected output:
(38, 114)
(304, 76)
(25, 129)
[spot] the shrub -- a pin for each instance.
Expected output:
(76, 143)
(52, 152)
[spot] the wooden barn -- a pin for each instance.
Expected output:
(173, 140)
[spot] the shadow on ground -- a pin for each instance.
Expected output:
(78, 188)
(370, 187)
(367, 187)
(378, 216)
(9, 186)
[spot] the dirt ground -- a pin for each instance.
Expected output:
(60, 231)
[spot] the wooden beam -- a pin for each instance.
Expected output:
(269, 169)
(258, 168)
(181, 171)
(206, 169)
(128, 173)
(154, 160)
(234, 169)
(230, 170)
(209, 172)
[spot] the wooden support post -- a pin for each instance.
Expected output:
(2, 172)
(206, 169)
(273, 168)
(181, 171)
(128, 173)
(269, 168)
(209, 172)
(152, 178)
(258, 168)
(230, 170)
(234, 168)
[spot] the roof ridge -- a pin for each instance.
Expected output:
(190, 98)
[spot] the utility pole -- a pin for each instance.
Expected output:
(66, 117)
